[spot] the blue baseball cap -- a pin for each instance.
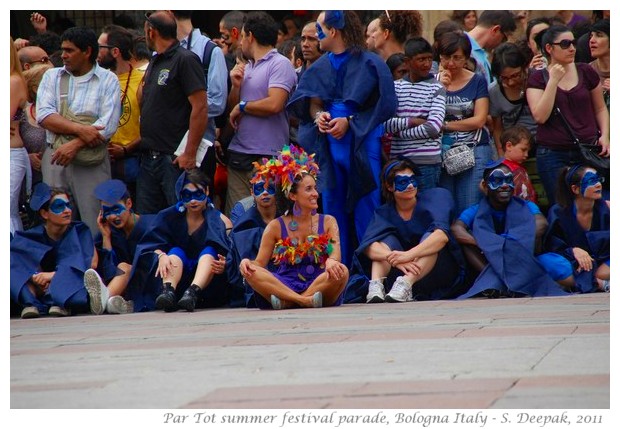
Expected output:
(111, 191)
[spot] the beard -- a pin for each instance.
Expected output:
(108, 62)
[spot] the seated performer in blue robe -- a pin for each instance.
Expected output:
(500, 236)
(408, 242)
(181, 260)
(342, 102)
(120, 230)
(49, 261)
(247, 233)
(579, 228)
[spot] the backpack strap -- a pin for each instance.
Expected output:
(206, 59)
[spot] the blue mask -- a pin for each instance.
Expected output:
(589, 179)
(402, 182)
(259, 189)
(116, 210)
(197, 195)
(58, 206)
(319, 32)
(498, 178)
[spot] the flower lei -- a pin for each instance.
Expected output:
(289, 165)
(290, 250)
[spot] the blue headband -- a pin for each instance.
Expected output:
(335, 18)
(389, 168)
(571, 173)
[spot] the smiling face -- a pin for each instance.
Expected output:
(306, 194)
(500, 186)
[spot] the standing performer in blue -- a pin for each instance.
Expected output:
(501, 237)
(49, 261)
(408, 243)
(182, 258)
(579, 227)
(342, 101)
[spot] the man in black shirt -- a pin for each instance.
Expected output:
(174, 100)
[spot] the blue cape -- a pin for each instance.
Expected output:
(564, 233)
(434, 210)
(512, 265)
(363, 81)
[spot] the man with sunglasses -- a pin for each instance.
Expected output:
(501, 240)
(174, 100)
(32, 56)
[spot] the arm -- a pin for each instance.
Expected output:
(268, 241)
(268, 106)
(197, 127)
(430, 246)
(236, 78)
(333, 266)
(541, 102)
(541, 229)
(430, 128)
(602, 117)
(19, 95)
(498, 128)
(477, 121)
(217, 87)
(471, 251)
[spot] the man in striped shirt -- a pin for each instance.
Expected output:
(416, 128)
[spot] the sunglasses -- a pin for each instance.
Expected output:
(498, 178)
(116, 210)
(43, 60)
(106, 46)
(58, 206)
(402, 182)
(259, 189)
(565, 44)
(197, 195)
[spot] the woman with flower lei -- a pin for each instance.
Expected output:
(304, 246)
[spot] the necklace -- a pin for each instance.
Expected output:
(126, 86)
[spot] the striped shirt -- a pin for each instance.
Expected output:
(97, 93)
(424, 100)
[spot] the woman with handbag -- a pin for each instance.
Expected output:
(467, 107)
(574, 89)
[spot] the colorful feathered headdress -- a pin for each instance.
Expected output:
(290, 164)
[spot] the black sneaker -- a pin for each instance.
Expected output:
(166, 300)
(188, 300)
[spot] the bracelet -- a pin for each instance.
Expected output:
(317, 114)
(349, 119)
(160, 255)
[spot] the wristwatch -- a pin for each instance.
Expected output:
(242, 104)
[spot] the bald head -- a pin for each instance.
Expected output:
(32, 56)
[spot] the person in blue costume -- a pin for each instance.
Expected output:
(49, 261)
(120, 230)
(342, 102)
(183, 257)
(408, 243)
(501, 238)
(247, 232)
(579, 227)
(304, 248)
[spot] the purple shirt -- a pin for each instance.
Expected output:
(576, 106)
(264, 135)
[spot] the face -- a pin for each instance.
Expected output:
(498, 37)
(512, 77)
(535, 30)
(324, 35)
(59, 210)
(310, 44)
(420, 65)
(405, 184)
(470, 20)
(590, 185)
(563, 49)
(225, 35)
(194, 197)
(500, 185)
(264, 193)
(370, 40)
(599, 44)
(517, 152)
(306, 195)
(75, 61)
(380, 36)
(245, 42)
(455, 62)
(291, 28)
(400, 71)
(117, 214)
(37, 57)
(105, 58)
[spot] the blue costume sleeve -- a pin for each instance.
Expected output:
(468, 215)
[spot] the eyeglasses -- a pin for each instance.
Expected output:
(498, 178)
(58, 206)
(514, 76)
(454, 58)
(565, 44)
(106, 46)
(43, 60)
(116, 210)
(224, 37)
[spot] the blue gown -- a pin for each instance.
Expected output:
(564, 233)
(168, 230)
(512, 268)
(434, 210)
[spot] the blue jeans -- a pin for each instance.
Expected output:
(549, 163)
(429, 176)
(155, 184)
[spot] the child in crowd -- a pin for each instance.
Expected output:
(516, 145)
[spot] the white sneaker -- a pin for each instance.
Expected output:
(376, 292)
(118, 305)
(97, 291)
(400, 292)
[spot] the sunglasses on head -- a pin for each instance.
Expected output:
(116, 210)
(197, 195)
(58, 206)
(259, 189)
(565, 44)
(498, 178)
(402, 182)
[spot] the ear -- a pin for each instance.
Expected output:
(129, 203)
(44, 214)
(483, 187)
(234, 32)
(575, 189)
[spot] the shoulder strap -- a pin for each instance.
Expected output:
(64, 93)
(284, 231)
(321, 224)
(206, 58)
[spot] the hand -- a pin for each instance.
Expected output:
(165, 266)
(115, 151)
(556, 73)
(219, 264)
(583, 259)
(185, 161)
(335, 269)
(246, 268)
(43, 280)
(396, 257)
(606, 85)
(604, 143)
(538, 62)
(235, 117)
(39, 22)
(20, 43)
(236, 74)
(409, 268)
(445, 77)
(338, 127)
(35, 160)
(65, 153)
(90, 135)
(322, 121)
(103, 225)
(219, 152)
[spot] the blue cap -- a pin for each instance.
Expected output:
(111, 191)
(178, 186)
(42, 194)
